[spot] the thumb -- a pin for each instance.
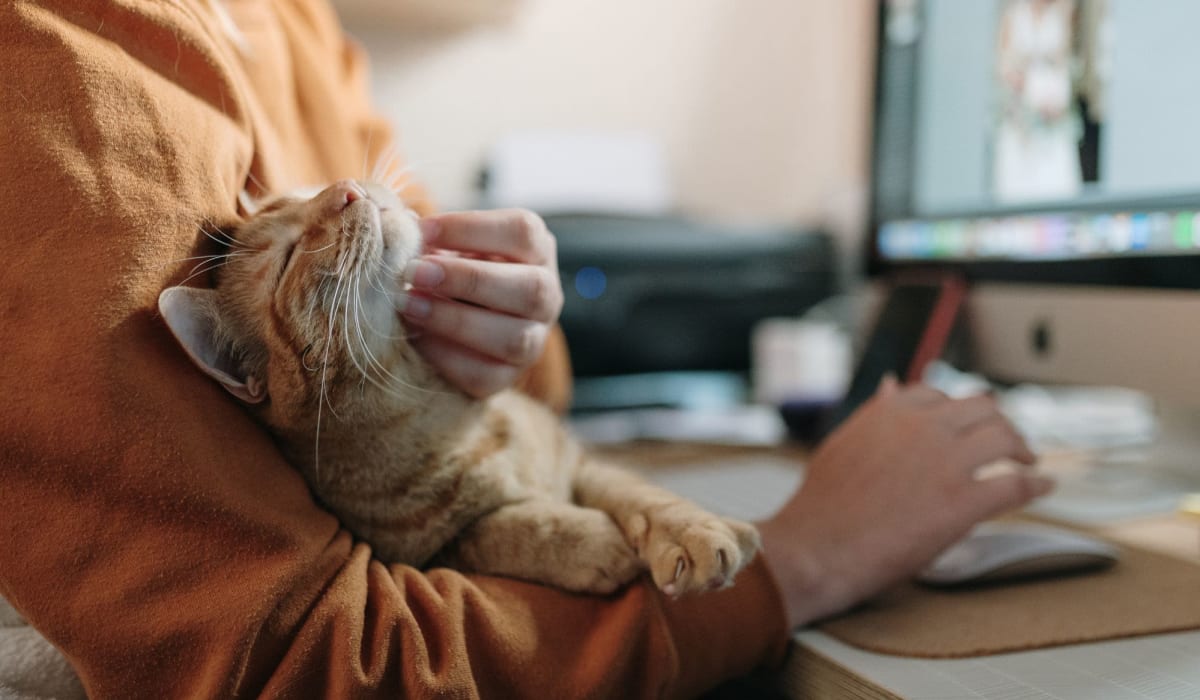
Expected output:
(888, 386)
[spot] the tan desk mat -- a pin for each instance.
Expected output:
(1144, 593)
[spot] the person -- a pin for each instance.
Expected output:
(1038, 126)
(152, 531)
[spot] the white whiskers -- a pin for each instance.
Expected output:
(322, 396)
(206, 266)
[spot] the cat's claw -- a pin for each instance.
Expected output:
(688, 549)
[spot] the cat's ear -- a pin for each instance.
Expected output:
(195, 320)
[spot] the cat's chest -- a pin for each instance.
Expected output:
(466, 453)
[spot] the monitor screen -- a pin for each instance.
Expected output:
(1027, 131)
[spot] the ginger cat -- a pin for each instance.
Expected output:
(302, 327)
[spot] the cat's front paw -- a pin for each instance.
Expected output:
(689, 549)
(600, 564)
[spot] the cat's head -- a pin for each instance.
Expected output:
(303, 308)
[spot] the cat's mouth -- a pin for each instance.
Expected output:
(383, 217)
(366, 215)
(370, 236)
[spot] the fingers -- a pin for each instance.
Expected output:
(514, 234)
(528, 291)
(988, 438)
(909, 394)
(1000, 494)
(508, 339)
(474, 374)
(977, 432)
(958, 415)
(963, 414)
(993, 440)
(486, 296)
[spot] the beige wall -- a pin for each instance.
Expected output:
(762, 104)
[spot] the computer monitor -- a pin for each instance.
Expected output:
(1049, 151)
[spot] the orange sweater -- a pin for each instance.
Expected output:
(147, 526)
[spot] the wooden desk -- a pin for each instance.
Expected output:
(1162, 666)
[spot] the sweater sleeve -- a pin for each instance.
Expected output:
(148, 527)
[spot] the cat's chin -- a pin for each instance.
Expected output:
(400, 235)
(394, 259)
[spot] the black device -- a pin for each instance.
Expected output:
(917, 318)
(667, 294)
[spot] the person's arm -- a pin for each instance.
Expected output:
(888, 491)
(147, 525)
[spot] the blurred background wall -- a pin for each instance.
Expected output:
(761, 105)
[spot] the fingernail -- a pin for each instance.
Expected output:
(422, 273)
(417, 307)
(430, 228)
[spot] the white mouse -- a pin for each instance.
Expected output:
(1001, 551)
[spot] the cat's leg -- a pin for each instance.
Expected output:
(547, 541)
(685, 547)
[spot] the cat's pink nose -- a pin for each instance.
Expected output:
(338, 196)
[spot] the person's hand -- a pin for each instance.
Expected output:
(888, 491)
(484, 296)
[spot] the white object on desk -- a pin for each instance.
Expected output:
(998, 551)
(1097, 493)
(796, 359)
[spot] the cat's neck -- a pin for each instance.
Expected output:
(388, 430)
